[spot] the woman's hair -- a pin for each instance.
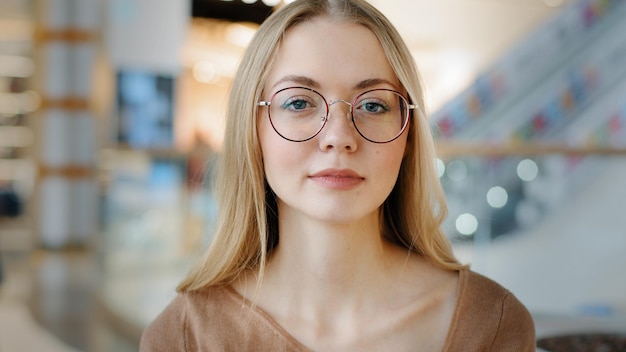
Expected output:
(247, 227)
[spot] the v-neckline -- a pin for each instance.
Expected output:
(279, 329)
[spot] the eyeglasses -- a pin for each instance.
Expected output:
(298, 114)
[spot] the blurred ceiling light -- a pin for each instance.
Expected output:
(527, 170)
(205, 72)
(15, 136)
(16, 66)
(446, 70)
(457, 66)
(466, 224)
(248, 1)
(271, 2)
(497, 197)
(239, 34)
(288, 1)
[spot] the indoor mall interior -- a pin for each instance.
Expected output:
(112, 111)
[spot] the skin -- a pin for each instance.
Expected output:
(333, 282)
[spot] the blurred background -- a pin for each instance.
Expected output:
(111, 112)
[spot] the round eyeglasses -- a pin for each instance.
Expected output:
(298, 113)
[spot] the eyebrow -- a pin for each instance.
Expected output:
(372, 82)
(302, 80)
(309, 82)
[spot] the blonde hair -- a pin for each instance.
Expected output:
(247, 228)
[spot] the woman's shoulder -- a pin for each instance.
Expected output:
(473, 283)
(171, 329)
(215, 318)
(480, 293)
(490, 316)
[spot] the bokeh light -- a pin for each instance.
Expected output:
(527, 170)
(497, 197)
(466, 224)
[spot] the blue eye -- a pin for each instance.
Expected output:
(297, 104)
(375, 107)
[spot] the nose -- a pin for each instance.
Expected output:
(338, 133)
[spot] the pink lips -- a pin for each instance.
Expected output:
(337, 178)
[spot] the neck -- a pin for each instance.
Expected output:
(324, 279)
(330, 277)
(323, 262)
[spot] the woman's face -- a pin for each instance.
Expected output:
(337, 176)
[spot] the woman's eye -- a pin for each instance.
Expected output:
(296, 104)
(373, 107)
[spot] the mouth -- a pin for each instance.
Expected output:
(337, 178)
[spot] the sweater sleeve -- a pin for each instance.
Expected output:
(516, 330)
(167, 332)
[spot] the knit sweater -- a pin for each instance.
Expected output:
(487, 317)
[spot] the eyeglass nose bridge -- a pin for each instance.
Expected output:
(340, 101)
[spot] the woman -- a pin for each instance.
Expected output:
(329, 232)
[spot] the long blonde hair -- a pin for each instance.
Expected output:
(247, 227)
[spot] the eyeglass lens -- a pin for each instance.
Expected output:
(298, 114)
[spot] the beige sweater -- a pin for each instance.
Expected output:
(487, 317)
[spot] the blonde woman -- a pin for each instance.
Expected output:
(329, 232)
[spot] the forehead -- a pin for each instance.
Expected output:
(331, 52)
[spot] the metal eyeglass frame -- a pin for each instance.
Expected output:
(409, 107)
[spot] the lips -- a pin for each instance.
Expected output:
(337, 178)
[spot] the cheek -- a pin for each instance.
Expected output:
(396, 154)
(392, 161)
(278, 154)
(392, 167)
